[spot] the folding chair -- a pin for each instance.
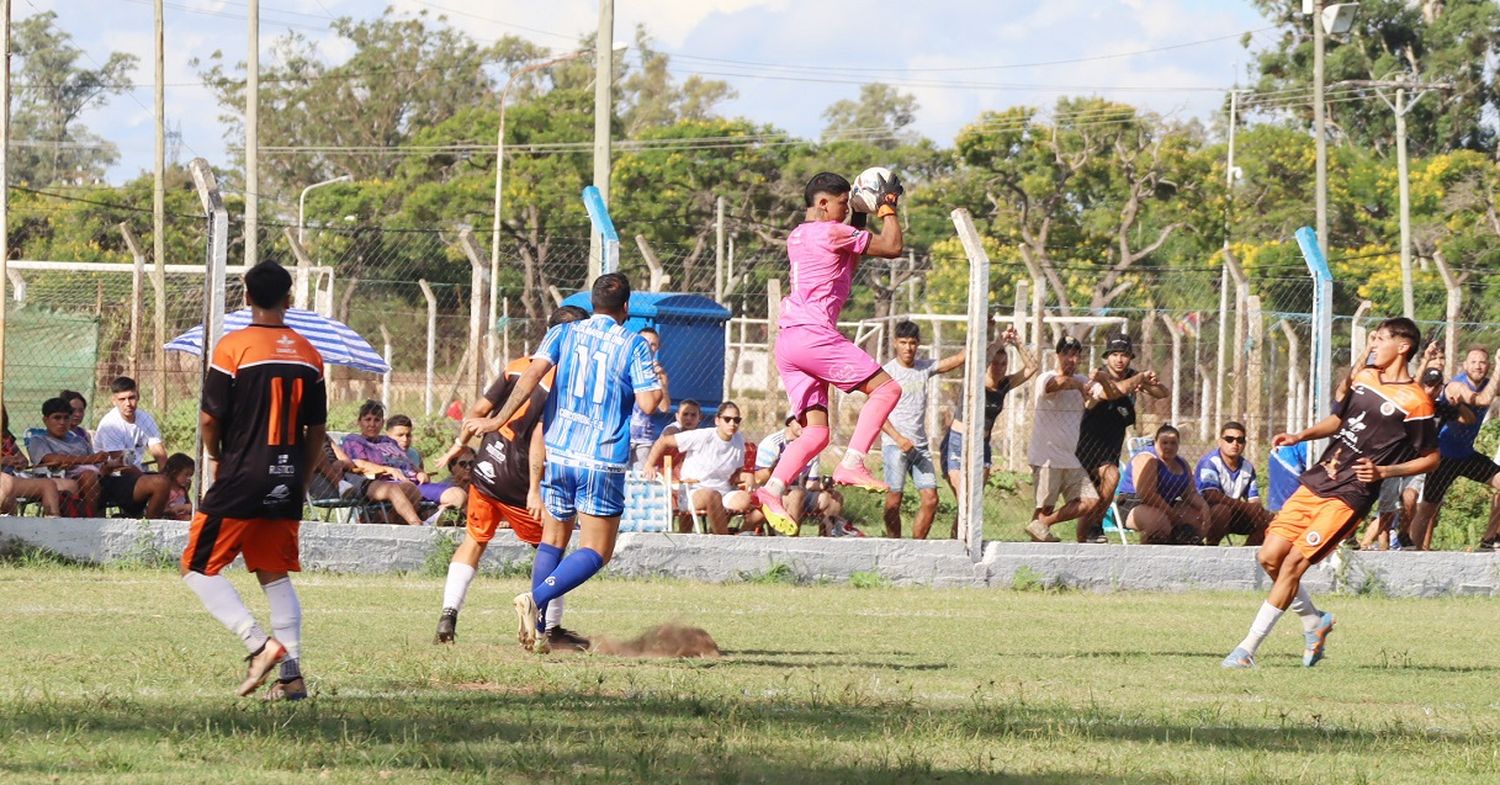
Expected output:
(1113, 520)
(648, 504)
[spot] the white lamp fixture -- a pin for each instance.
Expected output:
(1338, 18)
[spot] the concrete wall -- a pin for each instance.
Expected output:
(942, 563)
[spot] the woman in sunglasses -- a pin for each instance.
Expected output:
(452, 493)
(712, 460)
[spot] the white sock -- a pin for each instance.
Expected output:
(1302, 605)
(554, 614)
(775, 487)
(460, 575)
(1264, 621)
(852, 459)
(223, 603)
(286, 615)
(286, 624)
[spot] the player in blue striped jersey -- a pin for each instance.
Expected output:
(603, 371)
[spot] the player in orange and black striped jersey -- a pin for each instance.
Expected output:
(264, 416)
(507, 482)
(1382, 428)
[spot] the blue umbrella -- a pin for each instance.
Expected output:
(333, 339)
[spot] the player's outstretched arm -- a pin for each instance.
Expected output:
(889, 243)
(1324, 428)
(518, 395)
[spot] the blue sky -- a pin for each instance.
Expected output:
(787, 60)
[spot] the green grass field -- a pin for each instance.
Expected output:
(116, 675)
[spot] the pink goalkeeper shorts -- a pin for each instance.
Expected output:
(811, 358)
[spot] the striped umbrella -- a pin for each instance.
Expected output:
(333, 339)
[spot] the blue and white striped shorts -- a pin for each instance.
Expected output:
(569, 490)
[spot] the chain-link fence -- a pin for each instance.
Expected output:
(1228, 342)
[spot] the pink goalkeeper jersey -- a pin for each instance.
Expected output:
(823, 256)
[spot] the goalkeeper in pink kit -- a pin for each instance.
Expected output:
(810, 351)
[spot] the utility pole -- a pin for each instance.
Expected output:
(252, 137)
(604, 77)
(159, 221)
(1229, 178)
(1320, 126)
(1400, 106)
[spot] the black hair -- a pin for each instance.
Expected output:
(563, 314)
(1406, 329)
(824, 183)
(908, 329)
(1233, 425)
(611, 293)
(53, 406)
(71, 395)
(688, 402)
(651, 330)
(729, 405)
(267, 285)
(176, 462)
(396, 421)
(1165, 429)
(371, 407)
(122, 384)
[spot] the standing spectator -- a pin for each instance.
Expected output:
(1226, 481)
(15, 485)
(904, 447)
(998, 382)
(1159, 499)
(807, 494)
(642, 427)
(1473, 388)
(129, 429)
(80, 407)
(1061, 396)
(1101, 435)
(399, 427)
(712, 459)
(380, 458)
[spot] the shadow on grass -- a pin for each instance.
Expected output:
(542, 731)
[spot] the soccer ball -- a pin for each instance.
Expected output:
(864, 197)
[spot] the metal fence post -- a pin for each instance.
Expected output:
(971, 499)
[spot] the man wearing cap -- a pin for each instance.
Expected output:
(808, 494)
(1101, 435)
(1061, 397)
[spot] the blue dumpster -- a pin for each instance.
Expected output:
(692, 342)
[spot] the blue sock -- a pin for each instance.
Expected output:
(569, 575)
(547, 558)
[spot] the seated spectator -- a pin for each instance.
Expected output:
(399, 427)
(178, 469)
(452, 493)
(15, 483)
(337, 478)
(808, 494)
(1158, 497)
(689, 417)
(711, 464)
(1227, 483)
(58, 447)
(380, 458)
(129, 429)
(80, 408)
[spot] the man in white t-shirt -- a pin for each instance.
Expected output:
(904, 446)
(1062, 395)
(712, 459)
(129, 429)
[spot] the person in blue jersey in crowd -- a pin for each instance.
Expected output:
(603, 372)
(1473, 387)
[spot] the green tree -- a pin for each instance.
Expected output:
(881, 114)
(1431, 41)
(651, 98)
(52, 90)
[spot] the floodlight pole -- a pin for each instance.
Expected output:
(4, 202)
(1320, 127)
